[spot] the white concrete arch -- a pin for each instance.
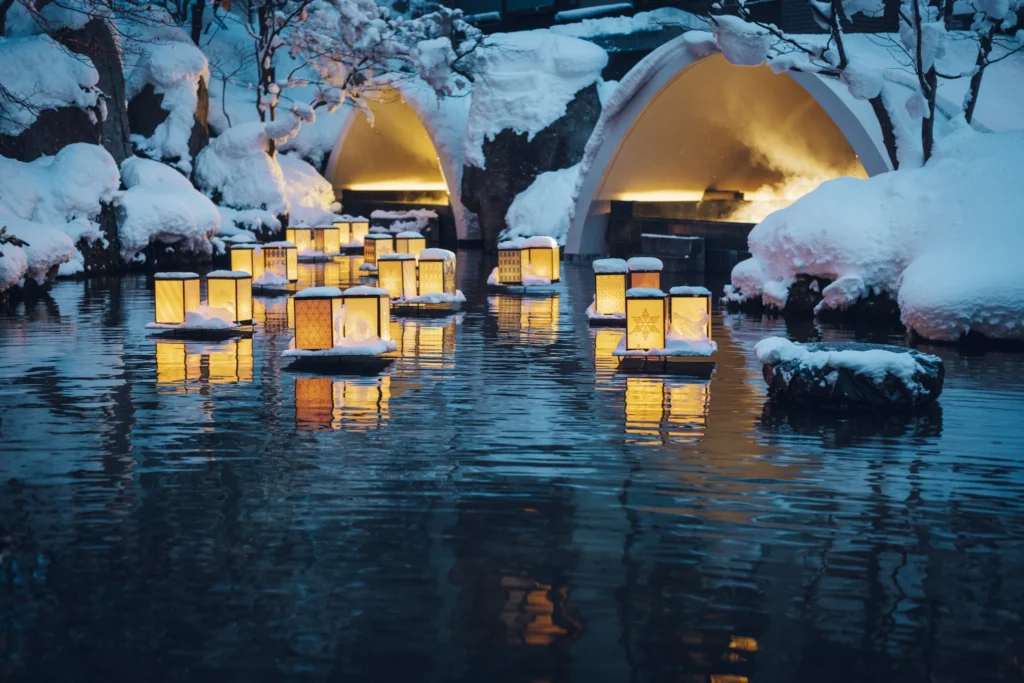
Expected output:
(394, 152)
(648, 81)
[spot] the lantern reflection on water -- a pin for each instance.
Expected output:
(605, 341)
(376, 245)
(535, 614)
(662, 411)
(354, 404)
(301, 237)
(397, 274)
(178, 362)
(175, 294)
(529, 320)
(426, 341)
(410, 243)
(232, 291)
(644, 272)
(274, 315)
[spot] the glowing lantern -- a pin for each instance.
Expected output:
(377, 245)
(545, 261)
(690, 309)
(231, 290)
(281, 259)
(512, 262)
(317, 318)
(247, 258)
(397, 274)
(358, 228)
(327, 239)
(344, 232)
(410, 243)
(302, 238)
(367, 313)
(645, 319)
(176, 294)
(644, 272)
(610, 276)
(437, 272)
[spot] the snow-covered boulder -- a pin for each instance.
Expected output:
(544, 207)
(310, 196)
(847, 375)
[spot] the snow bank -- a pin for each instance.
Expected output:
(235, 171)
(160, 205)
(544, 207)
(943, 239)
(41, 74)
(414, 220)
(641, 22)
(525, 82)
(174, 70)
(310, 196)
(13, 265)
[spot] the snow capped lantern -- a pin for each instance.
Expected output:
(410, 243)
(437, 272)
(232, 291)
(176, 294)
(377, 245)
(690, 312)
(544, 258)
(281, 259)
(645, 319)
(511, 264)
(353, 230)
(247, 258)
(367, 313)
(344, 229)
(327, 239)
(397, 274)
(318, 318)
(610, 276)
(302, 238)
(644, 272)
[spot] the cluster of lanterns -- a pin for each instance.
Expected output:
(279, 259)
(177, 295)
(381, 244)
(528, 261)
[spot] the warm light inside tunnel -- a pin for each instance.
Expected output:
(736, 130)
(391, 153)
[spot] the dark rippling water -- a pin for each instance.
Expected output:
(499, 505)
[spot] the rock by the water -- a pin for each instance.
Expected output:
(849, 375)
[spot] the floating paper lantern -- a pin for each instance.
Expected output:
(397, 274)
(247, 258)
(512, 262)
(437, 272)
(610, 277)
(530, 261)
(545, 261)
(344, 232)
(327, 239)
(644, 272)
(318, 318)
(367, 313)
(410, 243)
(281, 259)
(231, 290)
(690, 312)
(302, 238)
(360, 229)
(376, 245)
(176, 294)
(645, 319)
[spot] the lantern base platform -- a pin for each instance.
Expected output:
(349, 365)
(599, 320)
(273, 290)
(414, 310)
(200, 333)
(351, 249)
(692, 366)
(317, 257)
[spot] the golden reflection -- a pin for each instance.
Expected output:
(663, 411)
(429, 342)
(353, 404)
(274, 315)
(605, 341)
(180, 362)
(526, 320)
(534, 614)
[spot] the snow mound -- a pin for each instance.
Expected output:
(41, 74)
(160, 205)
(174, 70)
(544, 207)
(610, 265)
(13, 265)
(941, 239)
(685, 290)
(318, 292)
(235, 171)
(641, 22)
(525, 83)
(310, 196)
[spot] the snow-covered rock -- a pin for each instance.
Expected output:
(544, 207)
(235, 171)
(310, 196)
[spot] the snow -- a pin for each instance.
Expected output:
(873, 363)
(640, 22)
(369, 267)
(171, 275)
(542, 241)
(742, 43)
(524, 83)
(236, 169)
(437, 298)
(239, 274)
(587, 12)
(373, 346)
(310, 196)
(161, 206)
(592, 314)
(674, 347)
(363, 290)
(689, 291)
(203, 318)
(435, 254)
(414, 220)
(645, 264)
(610, 265)
(492, 279)
(412, 213)
(42, 74)
(13, 265)
(281, 243)
(409, 234)
(318, 292)
(544, 207)
(174, 70)
(271, 280)
(396, 257)
(644, 293)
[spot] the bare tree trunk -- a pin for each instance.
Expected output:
(928, 123)
(198, 9)
(4, 6)
(888, 134)
(984, 49)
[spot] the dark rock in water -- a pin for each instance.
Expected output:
(848, 375)
(53, 130)
(102, 257)
(514, 161)
(841, 430)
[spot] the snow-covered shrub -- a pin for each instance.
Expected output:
(310, 196)
(544, 207)
(160, 205)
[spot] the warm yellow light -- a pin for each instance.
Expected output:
(317, 318)
(397, 274)
(511, 265)
(687, 410)
(230, 362)
(545, 262)
(644, 279)
(606, 339)
(274, 315)
(402, 185)
(302, 238)
(232, 291)
(281, 259)
(177, 362)
(377, 245)
(645, 322)
(431, 277)
(344, 231)
(690, 309)
(360, 229)
(611, 293)
(367, 313)
(247, 258)
(314, 400)
(659, 196)
(174, 364)
(175, 295)
(327, 239)
(645, 407)
(410, 243)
